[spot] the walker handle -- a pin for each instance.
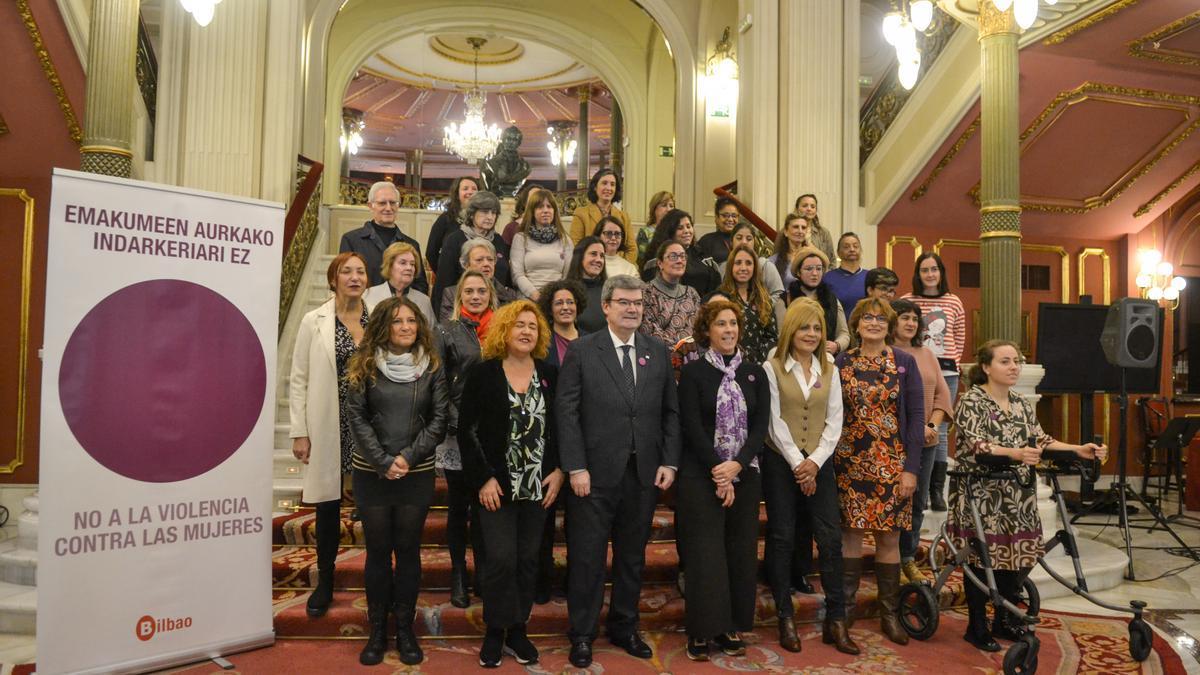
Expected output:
(1029, 480)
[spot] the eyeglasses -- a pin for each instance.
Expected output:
(611, 234)
(676, 257)
(388, 202)
(811, 269)
(626, 304)
(874, 318)
(728, 216)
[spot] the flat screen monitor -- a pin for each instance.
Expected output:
(1068, 347)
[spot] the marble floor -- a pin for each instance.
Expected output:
(1167, 582)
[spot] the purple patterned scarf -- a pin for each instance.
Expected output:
(732, 423)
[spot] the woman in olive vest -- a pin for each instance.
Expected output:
(797, 471)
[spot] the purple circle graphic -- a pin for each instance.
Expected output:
(162, 381)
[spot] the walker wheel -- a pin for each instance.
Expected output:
(1029, 598)
(918, 611)
(1140, 639)
(1022, 656)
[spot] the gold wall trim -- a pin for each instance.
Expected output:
(1064, 268)
(895, 241)
(1145, 208)
(39, 47)
(23, 328)
(1087, 22)
(452, 53)
(1001, 208)
(946, 159)
(1148, 46)
(111, 149)
(468, 83)
(1000, 233)
(1105, 269)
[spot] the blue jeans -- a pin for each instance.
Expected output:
(910, 539)
(944, 428)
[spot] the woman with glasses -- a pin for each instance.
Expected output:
(993, 419)
(717, 245)
(945, 333)
(612, 234)
(670, 305)
(476, 255)
(699, 271)
(809, 269)
(588, 270)
(479, 223)
(879, 454)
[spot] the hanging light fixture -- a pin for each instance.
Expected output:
(351, 139)
(721, 78)
(1157, 279)
(900, 28)
(201, 10)
(473, 140)
(921, 13)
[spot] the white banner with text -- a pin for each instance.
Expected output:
(157, 418)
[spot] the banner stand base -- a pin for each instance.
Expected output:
(212, 652)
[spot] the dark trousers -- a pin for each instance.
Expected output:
(511, 534)
(625, 510)
(329, 533)
(394, 530)
(785, 502)
(911, 539)
(546, 548)
(721, 545)
(1008, 583)
(462, 507)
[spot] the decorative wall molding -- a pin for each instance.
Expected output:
(1105, 270)
(1150, 46)
(23, 327)
(1087, 22)
(43, 55)
(946, 159)
(1145, 208)
(1065, 258)
(898, 241)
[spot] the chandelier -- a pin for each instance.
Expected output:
(473, 140)
(1157, 280)
(201, 10)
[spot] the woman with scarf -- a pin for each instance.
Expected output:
(670, 306)
(588, 269)
(808, 268)
(541, 249)
(700, 272)
(398, 405)
(460, 340)
(451, 219)
(476, 255)
(479, 223)
(724, 404)
(507, 437)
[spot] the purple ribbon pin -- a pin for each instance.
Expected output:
(641, 360)
(751, 377)
(902, 369)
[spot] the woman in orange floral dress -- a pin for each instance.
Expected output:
(879, 454)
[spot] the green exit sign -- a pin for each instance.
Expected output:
(666, 151)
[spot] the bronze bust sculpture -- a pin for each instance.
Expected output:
(504, 172)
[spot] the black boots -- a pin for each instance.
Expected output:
(406, 641)
(372, 652)
(937, 484)
(851, 575)
(328, 535)
(322, 595)
(977, 633)
(458, 586)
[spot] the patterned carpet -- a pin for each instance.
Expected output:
(1070, 644)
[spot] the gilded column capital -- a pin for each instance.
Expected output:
(994, 22)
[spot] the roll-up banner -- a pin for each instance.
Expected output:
(157, 425)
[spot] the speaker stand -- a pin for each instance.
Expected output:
(1122, 493)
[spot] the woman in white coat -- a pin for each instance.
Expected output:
(321, 436)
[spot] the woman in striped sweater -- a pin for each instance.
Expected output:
(945, 333)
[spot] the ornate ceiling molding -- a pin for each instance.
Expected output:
(1087, 22)
(1145, 208)
(440, 44)
(422, 79)
(1113, 94)
(1151, 46)
(946, 159)
(43, 55)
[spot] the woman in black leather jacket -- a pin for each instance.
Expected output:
(398, 404)
(461, 333)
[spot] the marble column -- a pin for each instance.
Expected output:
(758, 142)
(1000, 191)
(583, 149)
(111, 88)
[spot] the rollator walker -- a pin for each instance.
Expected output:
(918, 606)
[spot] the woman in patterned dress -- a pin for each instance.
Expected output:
(743, 284)
(670, 305)
(879, 453)
(327, 338)
(993, 419)
(506, 433)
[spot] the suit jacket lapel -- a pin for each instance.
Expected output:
(644, 365)
(611, 361)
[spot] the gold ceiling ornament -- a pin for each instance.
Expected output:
(1150, 46)
(444, 49)
(1100, 91)
(491, 83)
(425, 85)
(1087, 22)
(23, 325)
(1145, 208)
(39, 47)
(946, 159)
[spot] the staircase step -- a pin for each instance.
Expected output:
(661, 608)
(18, 608)
(18, 565)
(285, 464)
(286, 493)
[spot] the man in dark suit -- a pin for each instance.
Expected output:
(381, 231)
(618, 426)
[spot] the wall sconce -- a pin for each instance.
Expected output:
(353, 125)
(1157, 280)
(721, 79)
(562, 143)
